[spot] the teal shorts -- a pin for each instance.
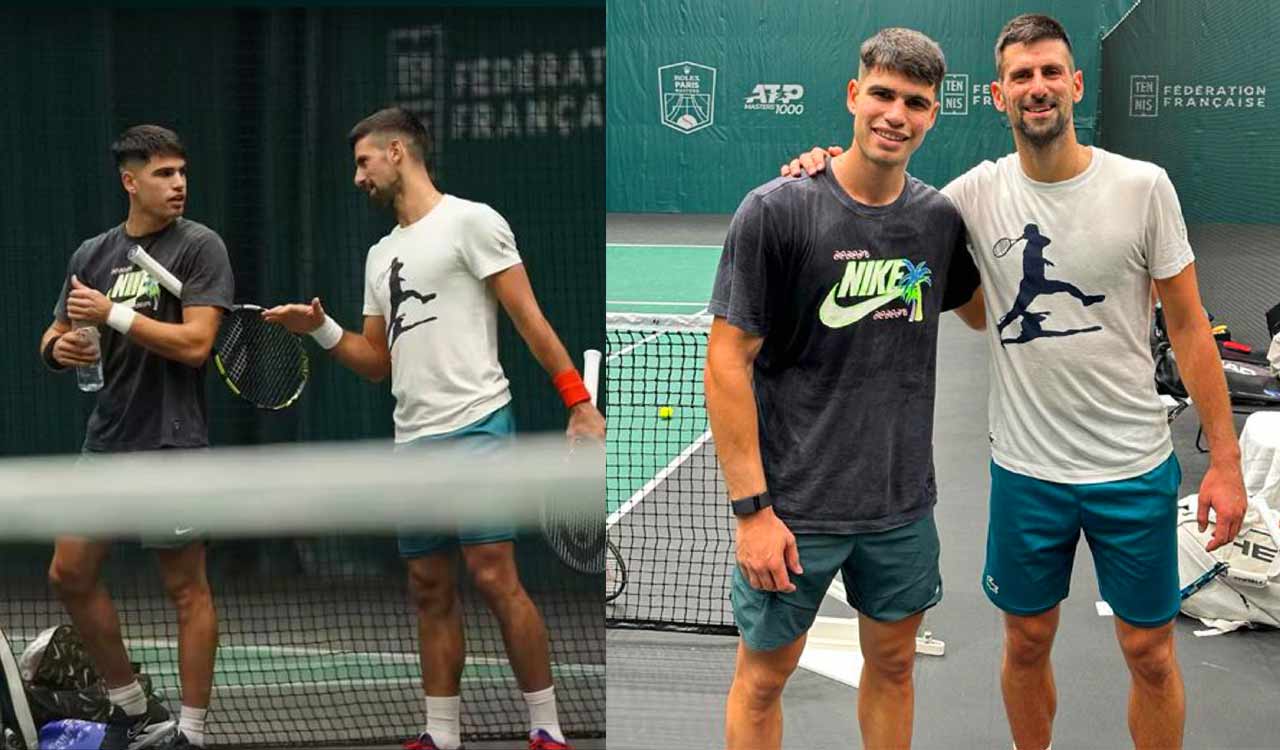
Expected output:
(484, 436)
(1131, 527)
(888, 576)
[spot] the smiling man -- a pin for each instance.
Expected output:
(1079, 439)
(826, 308)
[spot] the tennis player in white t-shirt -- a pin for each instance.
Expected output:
(1069, 241)
(432, 291)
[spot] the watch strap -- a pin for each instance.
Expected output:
(751, 504)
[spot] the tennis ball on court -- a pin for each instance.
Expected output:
(665, 412)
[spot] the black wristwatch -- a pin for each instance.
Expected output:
(748, 505)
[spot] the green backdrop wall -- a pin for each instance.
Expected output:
(1186, 86)
(1191, 85)
(263, 99)
(748, 56)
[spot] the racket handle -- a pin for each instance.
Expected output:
(591, 372)
(143, 260)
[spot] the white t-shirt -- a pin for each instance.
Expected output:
(426, 280)
(1072, 395)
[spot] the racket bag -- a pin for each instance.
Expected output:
(1247, 592)
(62, 682)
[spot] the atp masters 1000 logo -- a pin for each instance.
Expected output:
(687, 95)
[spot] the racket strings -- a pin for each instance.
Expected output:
(263, 361)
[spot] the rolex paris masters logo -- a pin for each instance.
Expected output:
(687, 95)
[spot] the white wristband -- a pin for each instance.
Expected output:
(121, 317)
(328, 334)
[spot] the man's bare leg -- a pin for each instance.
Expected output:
(492, 568)
(753, 713)
(74, 575)
(187, 584)
(886, 693)
(433, 590)
(1026, 678)
(1157, 703)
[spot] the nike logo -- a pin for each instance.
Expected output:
(878, 282)
(182, 531)
(834, 315)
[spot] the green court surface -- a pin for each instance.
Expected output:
(661, 279)
(282, 668)
(660, 369)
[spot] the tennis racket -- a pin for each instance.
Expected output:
(262, 363)
(16, 721)
(578, 540)
(1218, 569)
(615, 574)
(1003, 246)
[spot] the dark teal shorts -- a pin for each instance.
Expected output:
(1131, 527)
(888, 576)
(492, 433)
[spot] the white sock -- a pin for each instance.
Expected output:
(443, 723)
(130, 698)
(191, 722)
(1047, 747)
(542, 713)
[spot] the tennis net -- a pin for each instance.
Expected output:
(318, 641)
(669, 526)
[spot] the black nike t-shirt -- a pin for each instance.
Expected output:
(847, 298)
(148, 401)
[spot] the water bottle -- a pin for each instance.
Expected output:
(89, 377)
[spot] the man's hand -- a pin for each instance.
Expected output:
(585, 422)
(87, 305)
(74, 349)
(297, 318)
(1223, 490)
(767, 551)
(810, 162)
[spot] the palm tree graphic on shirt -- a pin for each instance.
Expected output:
(910, 288)
(398, 295)
(1034, 283)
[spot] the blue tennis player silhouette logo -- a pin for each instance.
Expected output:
(1035, 284)
(400, 294)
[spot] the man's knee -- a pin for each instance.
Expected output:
(70, 580)
(763, 685)
(492, 569)
(893, 662)
(183, 574)
(432, 589)
(1028, 640)
(760, 676)
(189, 593)
(1149, 652)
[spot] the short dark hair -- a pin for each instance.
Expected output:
(905, 51)
(1025, 29)
(396, 120)
(141, 142)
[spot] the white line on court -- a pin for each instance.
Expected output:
(633, 347)
(652, 484)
